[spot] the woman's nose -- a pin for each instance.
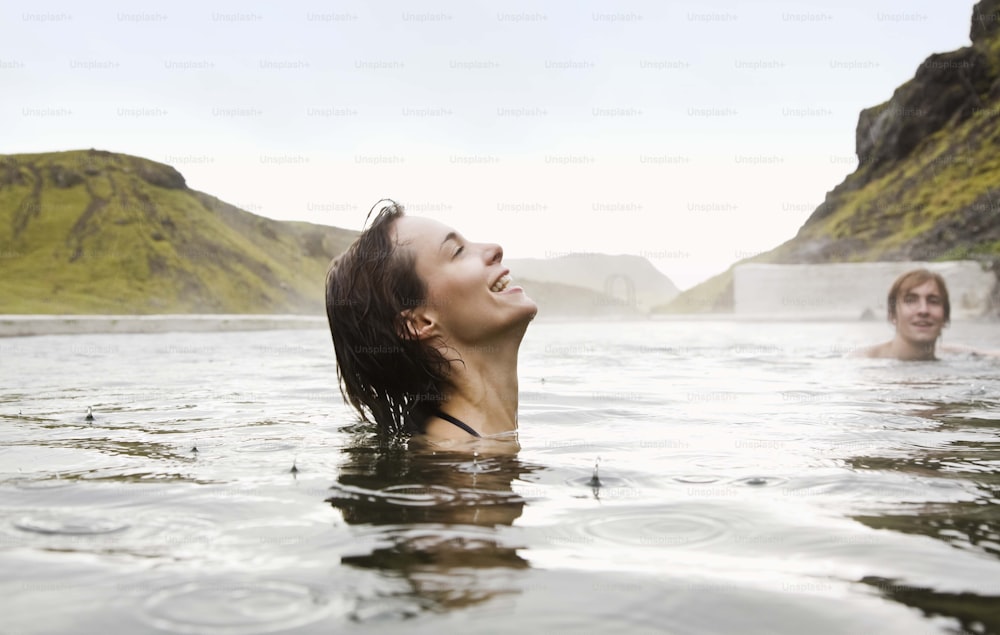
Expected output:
(494, 253)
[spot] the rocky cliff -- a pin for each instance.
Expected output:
(927, 185)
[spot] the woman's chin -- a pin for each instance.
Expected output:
(524, 317)
(531, 308)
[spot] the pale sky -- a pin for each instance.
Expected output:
(692, 133)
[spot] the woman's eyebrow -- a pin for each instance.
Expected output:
(450, 236)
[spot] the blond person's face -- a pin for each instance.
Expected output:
(462, 277)
(920, 314)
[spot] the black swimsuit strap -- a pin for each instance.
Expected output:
(461, 424)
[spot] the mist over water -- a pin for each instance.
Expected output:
(748, 478)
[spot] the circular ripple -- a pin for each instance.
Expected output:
(68, 525)
(666, 528)
(696, 479)
(719, 462)
(48, 483)
(602, 481)
(760, 481)
(264, 447)
(236, 608)
(417, 495)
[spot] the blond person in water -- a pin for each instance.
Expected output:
(426, 327)
(919, 307)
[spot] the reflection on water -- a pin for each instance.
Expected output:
(428, 507)
(974, 613)
(673, 477)
(967, 525)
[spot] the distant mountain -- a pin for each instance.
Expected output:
(90, 231)
(566, 302)
(622, 281)
(927, 186)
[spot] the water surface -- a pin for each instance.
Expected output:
(748, 479)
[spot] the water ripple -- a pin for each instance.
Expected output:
(264, 446)
(667, 527)
(696, 479)
(418, 495)
(422, 495)
(760, 481)
(43, 484)
(238, 608)
(68, 524)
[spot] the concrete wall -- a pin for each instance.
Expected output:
(848, 290)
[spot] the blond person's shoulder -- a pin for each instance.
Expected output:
(876, 351)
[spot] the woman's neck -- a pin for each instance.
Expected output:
(484, 387)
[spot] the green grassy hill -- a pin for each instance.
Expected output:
(90, 231)
(927, 186)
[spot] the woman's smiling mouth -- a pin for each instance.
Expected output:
(502, 283)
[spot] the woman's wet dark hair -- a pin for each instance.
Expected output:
(386, 375)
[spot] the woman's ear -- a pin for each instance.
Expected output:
(414, 324)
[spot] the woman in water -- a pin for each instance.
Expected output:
(426, 327)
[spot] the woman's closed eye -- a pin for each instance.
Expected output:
(457, 252)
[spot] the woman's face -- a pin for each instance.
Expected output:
(470, 297)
